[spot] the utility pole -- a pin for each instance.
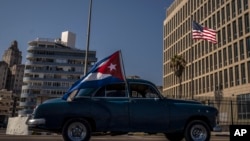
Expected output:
(88, 37)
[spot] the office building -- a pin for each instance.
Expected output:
(223, 67)
(52, 66)
(11, 80)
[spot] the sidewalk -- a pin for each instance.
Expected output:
(220, 133)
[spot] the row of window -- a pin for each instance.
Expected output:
(226, 35)
(204, 11)
(228, 77)
(224, 57)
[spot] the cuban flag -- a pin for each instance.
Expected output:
(106, 71)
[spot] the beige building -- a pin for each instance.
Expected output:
(226, 63)
(222, 68)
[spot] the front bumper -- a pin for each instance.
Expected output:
(217, 128)
(32, 122)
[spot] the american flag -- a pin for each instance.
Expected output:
(200, 32)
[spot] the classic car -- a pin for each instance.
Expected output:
(134, 106)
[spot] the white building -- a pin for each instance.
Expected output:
(52, 66)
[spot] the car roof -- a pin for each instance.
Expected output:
(130, 80)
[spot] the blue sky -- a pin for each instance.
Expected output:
(132, 26)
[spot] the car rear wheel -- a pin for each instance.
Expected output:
(197, 130)
(174, 136)
(76, 130)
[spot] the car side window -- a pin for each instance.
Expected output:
(143, 91)
(112, 90)
(115, 90)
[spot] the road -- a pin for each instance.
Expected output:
(4, 137)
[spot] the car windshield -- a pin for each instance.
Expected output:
(85, 92)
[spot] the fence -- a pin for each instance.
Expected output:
(231, 112)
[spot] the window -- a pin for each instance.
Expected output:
(225, 79)
(224, 36)
(242, 56)
(243, 73)
(230, 57)
(239, 6)
(231, 77)
(225, 56)
(248, 46)
(211, 82)
(234, 30)
(215, 60)
(237, 77)
(245, 4)
(143, 91)
(115, 90)
(218, 18)
(240, 28)
(247, 24)
(85, 92)
(112, 90)
(243, 102)
(235, 52)
(228, 12)
(220, 59)
(223, 15)
(233, 8)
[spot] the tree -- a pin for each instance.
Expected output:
(178, 64)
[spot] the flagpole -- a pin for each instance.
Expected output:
(88, 37)
(123, 71)
(192, 59)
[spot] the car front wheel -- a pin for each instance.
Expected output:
(197, 130)
(76, 130)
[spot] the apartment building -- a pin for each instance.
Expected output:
(52, 66)
(223, 67)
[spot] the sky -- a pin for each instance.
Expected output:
(133, 26)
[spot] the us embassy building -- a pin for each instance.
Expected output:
(222, 68)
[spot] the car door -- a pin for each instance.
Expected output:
(148, 110)
(110, 108)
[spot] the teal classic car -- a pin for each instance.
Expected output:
(134, 106)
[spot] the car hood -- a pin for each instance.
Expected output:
(179, 101)
(54, 100)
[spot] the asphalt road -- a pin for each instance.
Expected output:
(4, 137)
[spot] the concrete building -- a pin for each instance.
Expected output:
(50, 69)
(5, 102)
(214, 71)
(11, 78)
(3, 74)
(14, 76)
(224, 66)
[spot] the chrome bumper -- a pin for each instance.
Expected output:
(217, 128)
(31, 122)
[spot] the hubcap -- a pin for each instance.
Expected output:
(77, 131)
(198, 133)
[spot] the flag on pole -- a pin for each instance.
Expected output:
(105, 71)
(200, 32)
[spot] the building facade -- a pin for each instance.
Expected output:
(11, 80)
(223, 67)
(3, 74)
(51, 68)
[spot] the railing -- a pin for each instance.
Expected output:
(231, 112)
